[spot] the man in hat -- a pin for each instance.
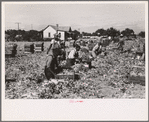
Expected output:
(121, 43)
(51, 63)
(73, 56)
(97, 49)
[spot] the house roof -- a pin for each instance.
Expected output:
(60, 28)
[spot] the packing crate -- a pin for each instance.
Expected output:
(136, 79)
(29, 48)
(73, 76)
(11, 50)
(39, 47)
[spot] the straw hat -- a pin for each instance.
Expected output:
(121, 35)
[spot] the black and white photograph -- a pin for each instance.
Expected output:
(75, 51)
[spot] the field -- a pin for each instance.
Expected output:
(108, 79)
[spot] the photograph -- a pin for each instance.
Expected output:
(66, 50)
(74, 60)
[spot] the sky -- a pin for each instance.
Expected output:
(82, 16)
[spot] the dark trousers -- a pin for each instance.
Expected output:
(51, 62)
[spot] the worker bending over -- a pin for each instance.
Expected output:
(97, 49)
(73, 56)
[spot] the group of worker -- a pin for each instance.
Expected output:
(55, 50)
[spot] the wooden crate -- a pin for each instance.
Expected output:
(71, 76)
(39, 47)
(11, 50)
(10, 80)
(136, 79)
(29, 48)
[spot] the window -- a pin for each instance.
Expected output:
(49, 35)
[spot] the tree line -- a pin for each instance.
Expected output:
(111, 32)
(22, 35)
(34, 35)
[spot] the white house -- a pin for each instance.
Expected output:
(50, 30)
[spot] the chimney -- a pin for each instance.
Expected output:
(57, 28)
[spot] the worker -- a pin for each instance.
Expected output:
(86, 57)
(143, 55)
(121, 43)
(97, 49)
(73, 56)
(52, 53)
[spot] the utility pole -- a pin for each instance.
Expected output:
(18, 24)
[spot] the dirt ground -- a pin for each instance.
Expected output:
(108, 79)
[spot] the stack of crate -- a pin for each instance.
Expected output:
(29, 48)
(11, 50)
(39, 47)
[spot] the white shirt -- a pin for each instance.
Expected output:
(72, 54)
(96, 48)
(55, 44)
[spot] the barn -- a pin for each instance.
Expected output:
(50, 30)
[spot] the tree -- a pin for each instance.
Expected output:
(31, 35)
(22, 35)
(142, 34)
(86, 34)
(94, 34)
(26, 36)
(127, 32)
(75, 34)
(101, 32)
(112, 32)
(12, 34)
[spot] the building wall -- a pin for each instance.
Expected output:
(47, 31)
(62, 35)
(52, 32)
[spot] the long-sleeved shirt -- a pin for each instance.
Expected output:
(97, 48)
(73, 54)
